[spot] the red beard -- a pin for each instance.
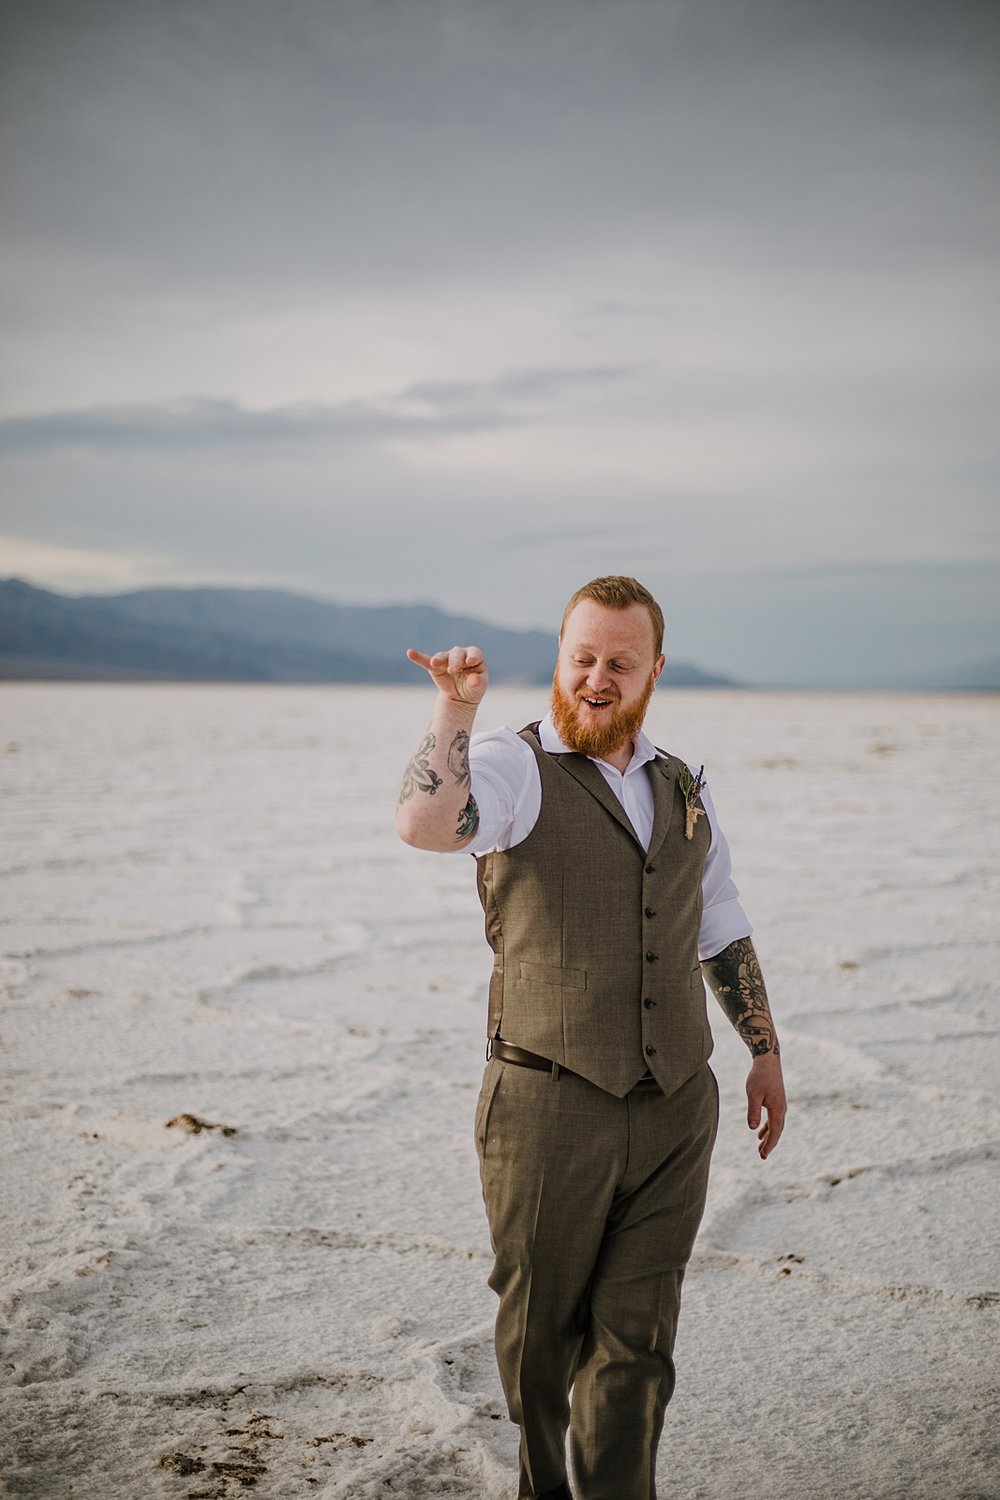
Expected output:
(601, 740)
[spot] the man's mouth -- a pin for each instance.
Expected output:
(596, 702)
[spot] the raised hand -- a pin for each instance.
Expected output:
(437, 809)
(459, 674)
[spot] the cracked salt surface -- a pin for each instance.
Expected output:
(207, 917)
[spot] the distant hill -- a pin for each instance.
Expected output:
(252, 635)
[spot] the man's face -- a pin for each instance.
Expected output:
(604, 677)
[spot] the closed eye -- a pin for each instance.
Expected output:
(613, 666)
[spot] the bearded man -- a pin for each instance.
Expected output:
(608, 895)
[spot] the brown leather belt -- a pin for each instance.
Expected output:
(507, 1052)
(522, 1058)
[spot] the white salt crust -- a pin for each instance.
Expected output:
(206, 917)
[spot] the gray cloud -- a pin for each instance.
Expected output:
(399, 140)
(739, 256)
(428, 409)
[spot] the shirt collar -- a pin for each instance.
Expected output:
(643, 749)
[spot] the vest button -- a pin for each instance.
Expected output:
(650, 869)
(650, 912)
(651, 957)
(649, 1003)
(650, 1049)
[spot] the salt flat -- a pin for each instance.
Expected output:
(207, 918)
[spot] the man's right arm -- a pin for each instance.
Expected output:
(436, 807)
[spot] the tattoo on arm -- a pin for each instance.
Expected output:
(418, 776)
(458, 758)
(468, 820)
(736, 982)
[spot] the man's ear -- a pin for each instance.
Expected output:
(659, 667)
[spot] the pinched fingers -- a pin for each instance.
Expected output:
(462, 659)
(458, 659)
(459, 673)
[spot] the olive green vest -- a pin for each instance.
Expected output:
(595, 939)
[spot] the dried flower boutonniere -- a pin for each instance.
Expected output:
(691, 786)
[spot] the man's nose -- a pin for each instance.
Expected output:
(598, 678)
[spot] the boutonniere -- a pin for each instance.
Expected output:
(692, 787)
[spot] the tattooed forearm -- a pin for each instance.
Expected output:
(735, 980)
(418, 776)
(468, 820)
(458, 758)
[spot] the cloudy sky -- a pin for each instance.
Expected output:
(467, 301)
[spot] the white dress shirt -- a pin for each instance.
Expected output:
(507, 786)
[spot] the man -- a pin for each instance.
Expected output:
(604, 880)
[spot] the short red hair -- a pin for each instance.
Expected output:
(618, 592)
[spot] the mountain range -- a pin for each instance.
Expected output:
(253, 635)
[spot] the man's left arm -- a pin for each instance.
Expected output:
(735, 980)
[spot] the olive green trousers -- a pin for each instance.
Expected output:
(593, 1205)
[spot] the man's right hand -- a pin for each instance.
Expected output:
(459, 674)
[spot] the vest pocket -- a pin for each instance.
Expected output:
(565, 979)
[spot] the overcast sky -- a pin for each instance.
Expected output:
(467, 301)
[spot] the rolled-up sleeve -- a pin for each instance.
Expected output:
(723, 919)
(507, 789)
